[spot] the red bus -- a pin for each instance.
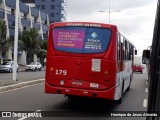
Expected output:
(88, 59)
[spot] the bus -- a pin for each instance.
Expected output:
(88, 60)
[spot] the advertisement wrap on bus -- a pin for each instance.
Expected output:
(89, 60)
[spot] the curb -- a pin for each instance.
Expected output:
(23, 69)
(20, 85)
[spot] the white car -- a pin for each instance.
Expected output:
(34, 66)
(8, 66)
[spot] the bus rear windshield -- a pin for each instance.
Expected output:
(81, 39)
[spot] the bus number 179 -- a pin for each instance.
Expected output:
(61, 72)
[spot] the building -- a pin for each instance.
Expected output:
(56, 9)
(30, 3)
(29, 17)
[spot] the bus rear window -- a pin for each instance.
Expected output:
(81, 39)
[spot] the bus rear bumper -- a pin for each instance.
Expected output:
(107, 94)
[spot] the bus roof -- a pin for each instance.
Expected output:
(86, 24)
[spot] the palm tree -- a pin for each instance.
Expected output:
(29, 43)
(42, 51)
(5, 44)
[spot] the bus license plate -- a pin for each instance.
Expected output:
(94, 85)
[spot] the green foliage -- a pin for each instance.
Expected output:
(42, 52)
(5, 44)
(1, 26)
(28, 41)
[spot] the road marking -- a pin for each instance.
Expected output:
(21, 87)
(146, 90)
(146, 83)
(23, 118)
(145, 103)
(21, 83)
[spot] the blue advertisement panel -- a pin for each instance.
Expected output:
(81, 39)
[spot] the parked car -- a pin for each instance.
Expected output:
(34, 66)
(138, 68)
(8, 66)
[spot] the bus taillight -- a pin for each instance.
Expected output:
(106, 76)
(106, 73)
(51, 71)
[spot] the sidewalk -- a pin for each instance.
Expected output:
(6, 85)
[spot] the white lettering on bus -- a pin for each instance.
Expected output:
(61, 72)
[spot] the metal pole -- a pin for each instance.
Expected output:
(16, 41)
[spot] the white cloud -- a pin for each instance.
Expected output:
(135, 17)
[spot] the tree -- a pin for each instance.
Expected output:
(29, 43)
(5, 44)
(42, 51)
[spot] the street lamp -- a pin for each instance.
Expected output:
(109, 12)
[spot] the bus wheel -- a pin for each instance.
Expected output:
(119, 101)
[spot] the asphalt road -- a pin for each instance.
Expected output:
(24, 76)
(33, 99)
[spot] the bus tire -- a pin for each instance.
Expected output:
(119, 101)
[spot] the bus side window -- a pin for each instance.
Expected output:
(127, 50)
(124, 50)
(130, 51)
(118, 47)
